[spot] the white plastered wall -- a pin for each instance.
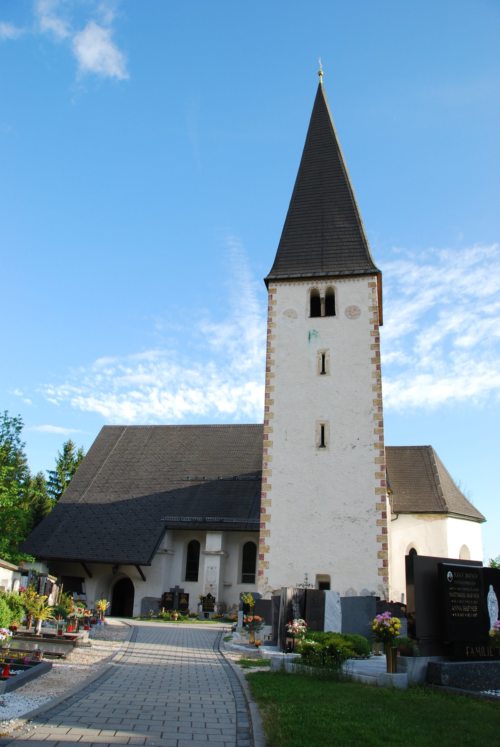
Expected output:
(320, 505)
(429, 534)
(219, 550)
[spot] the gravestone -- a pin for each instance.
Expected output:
(208, 603)
(425, 602)
(275, 616)
(150, 604)
(358, 614)
(314, 609)
(167, 601)
(175, 599)
(263, 608)
(333, 612)
(470, 608)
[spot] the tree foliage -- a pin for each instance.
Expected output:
(25, 499)
(66, 465)
(15, 480)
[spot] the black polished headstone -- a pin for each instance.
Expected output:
(263, 608)
(425, 601)
(315, 609)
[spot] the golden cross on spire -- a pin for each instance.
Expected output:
(320, 71)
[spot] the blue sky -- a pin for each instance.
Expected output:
(148, 151)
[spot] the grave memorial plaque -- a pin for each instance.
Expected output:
(167, 601)
(464, 609)
(183, 602)
(208, 603)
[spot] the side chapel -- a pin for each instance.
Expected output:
(311, 495)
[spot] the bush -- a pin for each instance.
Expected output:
(330, 650)
(15, 604)
(5, 613)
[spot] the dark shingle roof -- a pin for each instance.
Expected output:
(323, 235)
(137, 480)
(420, 483)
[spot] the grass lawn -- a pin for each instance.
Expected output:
(302, 711)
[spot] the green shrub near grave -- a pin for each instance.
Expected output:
(15, 604)
(5, 614)
(331, 650)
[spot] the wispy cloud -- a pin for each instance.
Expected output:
(440, 345)
(55, 429)
(9, 31)
(221, 378)
(90, 39)
(442, 330)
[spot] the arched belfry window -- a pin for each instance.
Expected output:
(315, 303)
(249, 563)
(330, 302)
(192, 560)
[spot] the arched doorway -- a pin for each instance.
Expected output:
(122, 600)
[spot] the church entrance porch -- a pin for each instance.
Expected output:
(122, 599)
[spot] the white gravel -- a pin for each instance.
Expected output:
(80, 665)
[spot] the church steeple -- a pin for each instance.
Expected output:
(323, 235)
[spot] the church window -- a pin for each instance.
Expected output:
(322, 433)
(323, 582)
(330, 302)
(192, 560)
(315, 303)
(464, 553)
(249, 563)
(323, 362)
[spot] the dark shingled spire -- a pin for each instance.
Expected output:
(323, 235)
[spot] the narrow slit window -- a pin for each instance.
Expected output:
(330, 302)
(314, 303)
(322, 436)
(323, 362)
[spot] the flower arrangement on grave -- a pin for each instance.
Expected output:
(386, 629)
(296, 628)
(5, 636)
(101, 606)
(495, 631)
(247, 599)
(253, 624)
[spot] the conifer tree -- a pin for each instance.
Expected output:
(15, 479)
(66, 464)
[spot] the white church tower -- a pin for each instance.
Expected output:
(324, 505)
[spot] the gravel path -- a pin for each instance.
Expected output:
(65, 675)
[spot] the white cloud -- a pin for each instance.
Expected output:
(50, 21)
(96, 53)
(221, 378)
(56, 429)
(92, 45)
(9, 31)
(440, 345)
(442, 328)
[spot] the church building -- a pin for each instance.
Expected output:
(311, 496)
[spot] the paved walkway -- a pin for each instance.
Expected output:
(171, 688)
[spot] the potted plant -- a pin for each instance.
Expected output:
(41, 612)
(386, 629)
